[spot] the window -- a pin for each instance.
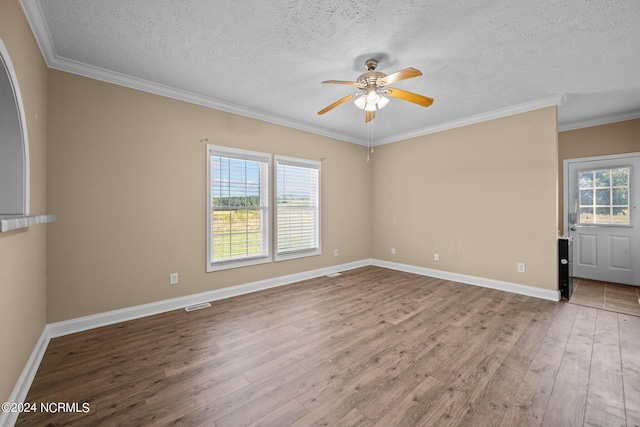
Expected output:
(297, 208)
(14, 147)
(238, 208)
(604, 196)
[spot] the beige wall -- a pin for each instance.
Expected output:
(23, 292)
(614, 138)
(126, 180)
(482, 196)
(127, 183)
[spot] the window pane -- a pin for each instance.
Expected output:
(586, 216)
(603, 178)
(586, 179)
(620, 196)
(221, 246)
(603, 197)
(244, 230)
(236, 183)
(603, 215)
(621, 216)
(586, 197)
(221, 222)
(296, 229)
(620, 177)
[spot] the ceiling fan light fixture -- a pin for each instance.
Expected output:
(372, 96)
(382, 101)
(371, 101)
(361, 102)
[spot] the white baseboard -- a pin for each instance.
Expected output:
(472, 280)
(67, 327)
(80, 324)
(23, 385)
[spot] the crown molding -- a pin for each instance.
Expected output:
(97, 73)
(39, 28)
(598, 121)
(479, 118)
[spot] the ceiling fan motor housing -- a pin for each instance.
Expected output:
(370, 79)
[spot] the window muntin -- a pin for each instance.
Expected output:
(238, 214)
(604, 196)
(297, 208)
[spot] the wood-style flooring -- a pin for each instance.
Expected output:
(372, 347)
(623, 299)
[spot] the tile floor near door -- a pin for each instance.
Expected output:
(608, 296)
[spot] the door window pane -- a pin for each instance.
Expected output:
(586, 216)
(604, 196)
(620, 196)
(603, 178)
(603, 215)
(586, 179)
(620, 177)
(586, 197)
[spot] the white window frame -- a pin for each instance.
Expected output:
(219, 151)
(310, 164)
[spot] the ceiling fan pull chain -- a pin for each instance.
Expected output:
(368, 124)
(371, 142)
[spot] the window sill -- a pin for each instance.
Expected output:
(16, 222)
(294, 255)
(236, 264)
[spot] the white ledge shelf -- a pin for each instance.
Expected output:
(15, 222)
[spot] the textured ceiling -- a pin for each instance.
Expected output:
(266, 59)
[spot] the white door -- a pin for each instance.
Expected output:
(602, 217)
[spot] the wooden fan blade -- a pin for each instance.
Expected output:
(409, 96)
(341, 82)
(407, 73)
(369, 115)
(335, 104)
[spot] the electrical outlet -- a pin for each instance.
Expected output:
(436, 257)
(393, 251)
(173, 279)
(335, 252)
(522, 267)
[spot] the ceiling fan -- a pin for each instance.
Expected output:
(373, 85)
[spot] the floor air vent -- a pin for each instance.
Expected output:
(197, 306)
(334, 274)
